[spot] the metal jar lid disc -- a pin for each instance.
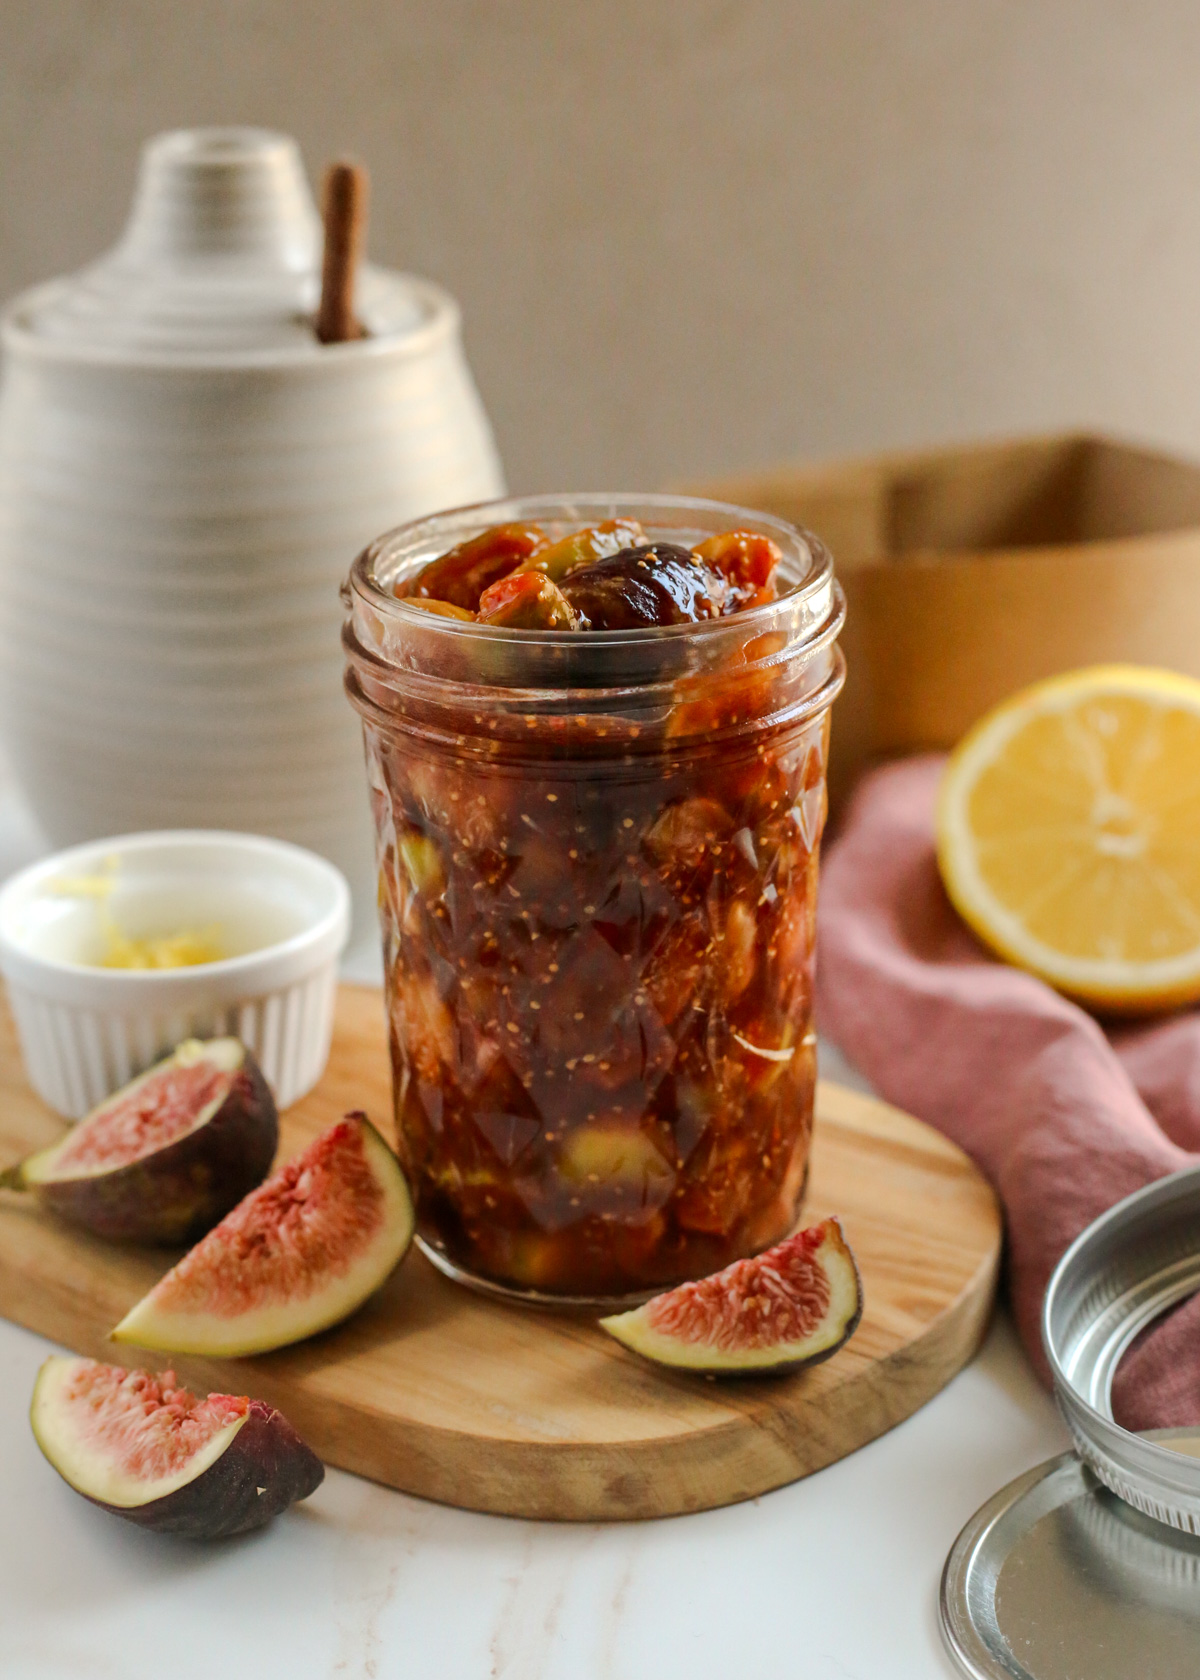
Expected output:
(1056, 1578)
(1132, 1264)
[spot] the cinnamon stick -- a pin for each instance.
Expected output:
(345, 211)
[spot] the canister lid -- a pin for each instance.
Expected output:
(1127, 1269)
(221, 255)
(1056, 1578)
(1089, 1566)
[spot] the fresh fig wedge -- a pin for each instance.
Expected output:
(298, 1254)
(166, 1156)
(791, 1306)
(139, 1446)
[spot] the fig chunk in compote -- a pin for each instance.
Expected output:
(459, 577)
(603, 577)
(598, 864)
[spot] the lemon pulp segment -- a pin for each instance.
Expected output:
(1069, 834)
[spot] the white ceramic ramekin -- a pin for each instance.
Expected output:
(283, 912)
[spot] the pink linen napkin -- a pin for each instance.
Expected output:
(1063, 1117)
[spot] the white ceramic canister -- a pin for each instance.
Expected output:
(185, 475)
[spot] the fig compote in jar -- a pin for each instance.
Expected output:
(598, 793)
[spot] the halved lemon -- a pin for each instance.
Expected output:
(1068, 834)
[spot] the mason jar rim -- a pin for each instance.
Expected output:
(456, 680)
(588, 507)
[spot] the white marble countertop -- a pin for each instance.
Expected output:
(833, 1578)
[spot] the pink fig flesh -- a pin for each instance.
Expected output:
(791, 1306)
(144, 1448)
(298, 1254)
(165, 1157)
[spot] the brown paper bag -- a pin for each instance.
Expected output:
(972, 571)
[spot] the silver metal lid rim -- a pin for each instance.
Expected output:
(1125, 1270)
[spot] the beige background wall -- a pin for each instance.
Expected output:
(694, 235)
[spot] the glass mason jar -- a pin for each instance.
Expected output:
(597, 886)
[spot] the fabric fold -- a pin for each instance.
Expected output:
(1062, 1117)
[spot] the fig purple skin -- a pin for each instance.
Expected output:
(266, 1468)
(173, 1193)
(652, 584)
(262, 1468)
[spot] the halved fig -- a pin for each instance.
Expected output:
(527, 601)
(141, 1447)
(297, 1255)
(791, 1306)
(166, 1156)
(581, 548)
(651, 584)
(748, 561)
(461, 576)
(441, 609)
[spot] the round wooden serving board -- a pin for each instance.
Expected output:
(440, 1393)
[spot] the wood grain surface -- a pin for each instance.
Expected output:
(435, 1391)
